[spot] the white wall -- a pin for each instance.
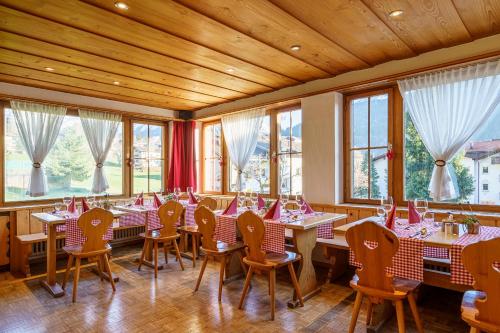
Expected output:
(322, 148)
(67, 98)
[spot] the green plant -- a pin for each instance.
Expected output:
(268, 204)
(470, 220)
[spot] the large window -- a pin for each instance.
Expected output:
(148, 158)
(69, 166)
(257, 172)
(367, 144)
(212, 154)
(475, 169)
(289, 152)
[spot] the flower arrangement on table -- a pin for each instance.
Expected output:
(471, 222)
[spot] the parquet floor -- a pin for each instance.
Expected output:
(168, 304)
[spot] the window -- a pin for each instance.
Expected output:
(148, 158)
(257, 172)
(69, 167)
(470, 167)
(368, 140)
(212, 155)
(289, 152)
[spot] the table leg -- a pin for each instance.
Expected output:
(304, 241)
(51, 284)
(148, 258)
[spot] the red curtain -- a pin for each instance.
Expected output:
(182, 172)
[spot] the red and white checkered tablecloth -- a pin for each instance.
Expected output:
(132, 219)
(189, 214)
(74, 235)
(459, 274)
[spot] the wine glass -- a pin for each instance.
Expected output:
(90, 200)
(381, 213)
(177, 193)
(67, 201)
(387, 203)
(421, 206)
(284, 200)
(58, 206)
(301, 203)
(189, 189)
(241, 198)
(253, 199)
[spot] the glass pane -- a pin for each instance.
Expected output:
(155, 175)
(140, 141)
(359, 174)
(359, 123)
(284, 174)
(69, 166)
(155, 142)
(296, 179)
(212, 145)
(296, 131)
(379, 106)
(140, 176)
(284, 120)
(208, 137)
(378, 173)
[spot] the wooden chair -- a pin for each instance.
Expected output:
(252, 228)
(169, 214)
(374, 246)
(192, 230)
(94, 224)
(205, 219)
(480, 306)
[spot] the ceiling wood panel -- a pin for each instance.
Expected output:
(70, 56)
(95, 20)
(61, 68)
(425, 25)
(264, 21)
(183, 22)
(482, 18)
(165, 101)
(351, 24)
(49, 31)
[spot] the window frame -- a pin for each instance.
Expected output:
(347, 142)
(202, 157)
(275, 155)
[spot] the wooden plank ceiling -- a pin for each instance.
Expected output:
(189, 54)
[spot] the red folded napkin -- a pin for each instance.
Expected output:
(413, 216)
(308, 210)
(139, 201)
(260, 202)
(156, 200)
(85, 205)
(232, 208)
(72, 206)
(192, 199)
(391, 218)
(274, 213)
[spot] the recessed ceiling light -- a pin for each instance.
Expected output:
(230, 70)
(49, 69)
(121, 5)
(396, 13)
(116, 83)
(295, 48)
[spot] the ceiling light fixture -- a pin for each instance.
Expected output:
(230, 70)
(121, 5)
(295, 48)
(396, 13)
(116, 83)
(49, 69)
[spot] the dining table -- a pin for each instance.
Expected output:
(51, 221)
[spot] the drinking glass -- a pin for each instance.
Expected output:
(253, 199)
(387, 203)
(67, 201)
(284, 200)
(421, 205)
(58, 206)
(381, 213)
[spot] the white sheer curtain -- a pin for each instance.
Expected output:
(447, 108)
(100, 130)
(38, 126)
(240, 133)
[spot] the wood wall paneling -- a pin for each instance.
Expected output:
(4, 240)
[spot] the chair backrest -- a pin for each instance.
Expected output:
(480, 259)
(374, 246)
(94, 224)
(252, 228)
(169, 213)
(205, 219)
(208, 202)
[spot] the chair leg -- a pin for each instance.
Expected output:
(178, 254)
(272, 287)
(68, 269)
(221, 276)
(474, 330)
(193, 241)
(369, 312)
(143, 254)
(401, 316)
(108, 269)
(414, 311)
(156, 257)
(355, 311)
(99, 263)
(242, 264)
(202, 270)
(295, 283)
(76, 278)
(165, 253)
(245, 287)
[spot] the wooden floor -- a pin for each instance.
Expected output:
(168, 304)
